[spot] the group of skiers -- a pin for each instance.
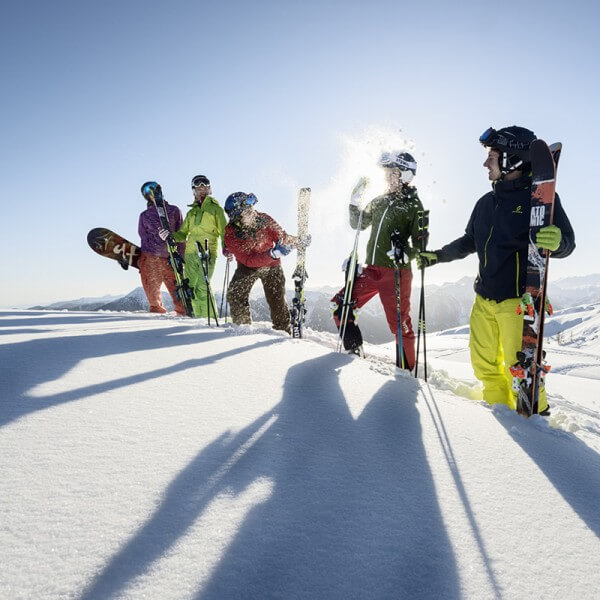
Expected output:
(254, 239)
(498, 230)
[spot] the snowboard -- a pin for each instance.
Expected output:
(298, 308)
(530, 369)
(110, 244)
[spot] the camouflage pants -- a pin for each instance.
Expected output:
(273, 281)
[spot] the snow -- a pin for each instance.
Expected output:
(147, 456)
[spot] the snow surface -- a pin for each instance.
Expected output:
(148, 456)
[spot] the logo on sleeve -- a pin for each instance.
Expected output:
(518, 210)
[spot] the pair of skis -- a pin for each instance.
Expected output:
(530, 369)
(352, 271)
(298, 307)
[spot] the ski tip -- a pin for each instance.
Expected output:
(555, 147)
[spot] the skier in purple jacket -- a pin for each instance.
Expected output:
(154, 260)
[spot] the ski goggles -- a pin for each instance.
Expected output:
(241, 204)
(200, 181)
(392, 161)
(151, 189)
(488, 136)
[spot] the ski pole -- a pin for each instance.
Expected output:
(204, 264)
(205, 277)
(397, 254)
(423, 229)
(225, 287)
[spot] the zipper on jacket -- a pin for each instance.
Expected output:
(485, 247)
(377, 236)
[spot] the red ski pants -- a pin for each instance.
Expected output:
(380, 280)
(155, 270)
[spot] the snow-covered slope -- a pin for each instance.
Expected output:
(153, 457)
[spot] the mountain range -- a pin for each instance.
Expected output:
(447, 305)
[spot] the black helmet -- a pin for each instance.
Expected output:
(151, 188)
(398, 160)
(200, 180)
(513, 145)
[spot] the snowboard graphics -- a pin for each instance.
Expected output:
(110, 244)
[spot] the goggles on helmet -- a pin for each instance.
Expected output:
(200, 181)
(391, 160)
(487, 136)
(151, 189)
(237, 203)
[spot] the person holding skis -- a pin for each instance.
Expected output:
(393, 221)
(498, 231)
(154, 259)
(204, 221)
(257, 242)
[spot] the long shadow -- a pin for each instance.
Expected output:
(353, 511)
(35, 404)
(571, 466)
(26, 364)
(60, 318)
(22, 331)
(185, 499)
(446, 445)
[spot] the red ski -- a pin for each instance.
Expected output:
(529, 370)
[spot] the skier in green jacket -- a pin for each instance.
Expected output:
(204, 221)
(393, 221)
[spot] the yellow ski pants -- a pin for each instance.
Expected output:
(496, 332)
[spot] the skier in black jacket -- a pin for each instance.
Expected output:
(498, 231)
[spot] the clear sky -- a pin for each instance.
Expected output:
(98, 97)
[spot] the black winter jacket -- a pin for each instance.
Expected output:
(498, 231)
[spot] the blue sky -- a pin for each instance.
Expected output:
(267, 97)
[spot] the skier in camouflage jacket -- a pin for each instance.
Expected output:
(257, 242)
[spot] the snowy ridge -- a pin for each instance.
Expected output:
(153, 456)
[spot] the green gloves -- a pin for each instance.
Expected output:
(548, 238)
(426, 259)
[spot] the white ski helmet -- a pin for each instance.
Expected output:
(400, 160)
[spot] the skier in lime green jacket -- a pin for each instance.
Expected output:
(204, 221)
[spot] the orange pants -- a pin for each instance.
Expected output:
(155, 270)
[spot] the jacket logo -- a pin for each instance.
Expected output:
(518, 210)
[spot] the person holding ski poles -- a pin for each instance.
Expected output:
(498, 231)
(257, 242)
(204, 221)
(154, 260)
(392, 215)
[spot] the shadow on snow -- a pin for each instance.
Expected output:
(571, 466)
(25, 365)
(353, 510)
